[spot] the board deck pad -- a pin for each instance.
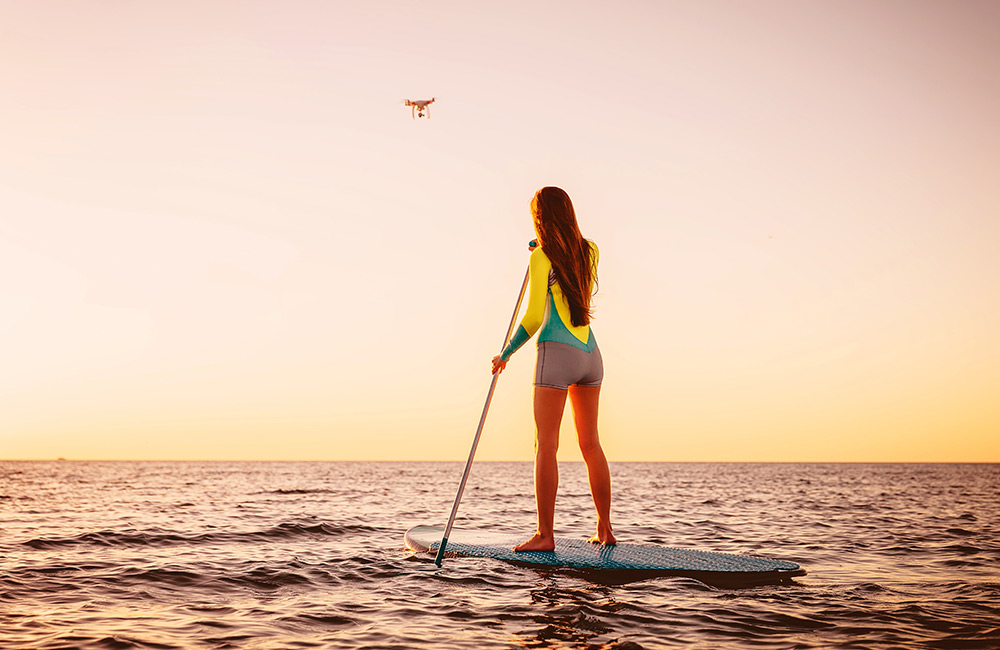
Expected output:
(581, 554)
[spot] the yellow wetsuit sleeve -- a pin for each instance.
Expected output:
(538, 285)
(538, 281)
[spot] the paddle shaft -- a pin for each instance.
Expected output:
(479, 429)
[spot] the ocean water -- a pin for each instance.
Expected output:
(310, 555)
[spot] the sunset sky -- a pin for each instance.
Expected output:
(222, 236)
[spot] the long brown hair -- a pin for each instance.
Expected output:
(570, 254)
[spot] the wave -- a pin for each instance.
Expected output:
(322, 620)
(301, 491)
(159, 537)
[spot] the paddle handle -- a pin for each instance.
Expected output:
(479, 429)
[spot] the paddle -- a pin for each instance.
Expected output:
(482, 420)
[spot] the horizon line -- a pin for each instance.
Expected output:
(571, 460)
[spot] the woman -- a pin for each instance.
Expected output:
(562, 272)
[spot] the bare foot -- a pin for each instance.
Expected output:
(606, 538)
(536, 543)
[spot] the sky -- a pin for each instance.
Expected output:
(223, 235)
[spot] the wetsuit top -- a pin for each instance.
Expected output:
(549, 309)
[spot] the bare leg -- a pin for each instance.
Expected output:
(585, 402)
(549, 406)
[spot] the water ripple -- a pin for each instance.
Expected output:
(309, 555)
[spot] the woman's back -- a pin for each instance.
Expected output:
(557, 324)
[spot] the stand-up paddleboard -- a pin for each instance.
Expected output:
(625, 558)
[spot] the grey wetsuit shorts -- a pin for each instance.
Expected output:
(559, 365)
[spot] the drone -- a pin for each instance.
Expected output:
(418, 107)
